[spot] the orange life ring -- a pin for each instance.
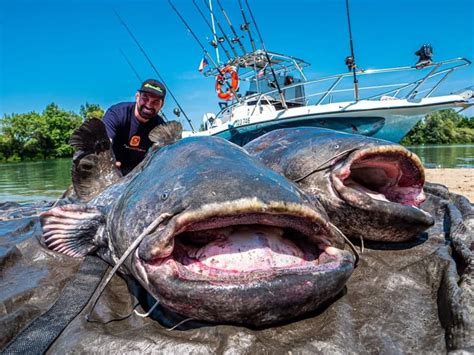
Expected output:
(229, 94)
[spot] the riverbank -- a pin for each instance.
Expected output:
(460, 181)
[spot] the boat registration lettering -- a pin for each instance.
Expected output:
(241, 121)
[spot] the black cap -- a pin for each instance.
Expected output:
(153, 87)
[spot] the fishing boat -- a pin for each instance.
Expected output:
(388, 102)
(262, 91)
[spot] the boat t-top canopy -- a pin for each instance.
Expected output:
(256, 64)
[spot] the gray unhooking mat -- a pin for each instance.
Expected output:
(411, 297)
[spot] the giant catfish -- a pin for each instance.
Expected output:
(212, 233)
(370, 188)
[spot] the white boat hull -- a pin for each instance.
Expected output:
(389, 119)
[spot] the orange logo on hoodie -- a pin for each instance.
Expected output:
(135, 141)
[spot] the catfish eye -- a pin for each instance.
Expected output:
(164, 196)
(336, 146)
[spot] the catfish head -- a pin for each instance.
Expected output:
(370, 188)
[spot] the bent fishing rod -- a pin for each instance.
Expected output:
(206, 53)
(245, 26)
(236, 38)
(221, 29)
(218, 40)
(282, 97)
(154, 69)
(350, 62)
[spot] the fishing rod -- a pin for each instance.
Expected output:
(245, 26)
(221, 29)
(282, 97)
(350, 61)
(154, 68)
(236, 38)
(214, 31)
(206, 53)
(217, 40)
(131, 65)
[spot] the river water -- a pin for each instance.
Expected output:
(47, 180)
(446, 156)
(34, 181)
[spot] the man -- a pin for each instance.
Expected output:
(129, 123)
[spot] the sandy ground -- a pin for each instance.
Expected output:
(460, 181)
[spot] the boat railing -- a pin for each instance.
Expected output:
(427, 80)
(414, 85)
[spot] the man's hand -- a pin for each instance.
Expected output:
(118, 164)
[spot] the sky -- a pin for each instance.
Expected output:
(70, 51)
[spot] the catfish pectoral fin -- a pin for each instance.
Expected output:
(72, 229)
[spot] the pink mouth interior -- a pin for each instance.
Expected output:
(245, 249)
(390, 177)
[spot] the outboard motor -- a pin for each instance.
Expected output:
(424, 53)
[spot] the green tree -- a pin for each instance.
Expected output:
(56, 131)
(91, 111)
(20, 136)
(466, 122)
(441, 127)
(37, 136)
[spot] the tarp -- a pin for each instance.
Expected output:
(410, 297)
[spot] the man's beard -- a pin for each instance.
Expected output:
(146, 112)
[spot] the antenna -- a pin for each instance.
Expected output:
(350, 61)
(154, 68)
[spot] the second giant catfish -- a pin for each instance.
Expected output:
(370, 188)
(212, 233)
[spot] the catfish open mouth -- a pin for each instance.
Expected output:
(245, 261)
(246, 245)
(385, 173)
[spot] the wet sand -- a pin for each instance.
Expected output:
(460, 181)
